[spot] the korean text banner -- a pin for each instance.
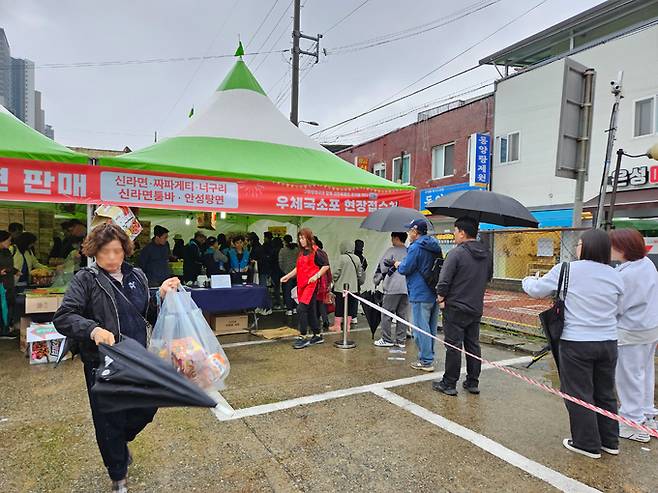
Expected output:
(37, 181)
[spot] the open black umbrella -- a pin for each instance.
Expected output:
(131, 377)
(393, 219)
(484, 206)
(373, 316)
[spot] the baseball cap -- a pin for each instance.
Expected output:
(419, 225)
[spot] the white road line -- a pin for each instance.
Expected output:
(550, 476)
(336, 394)
(270, 341)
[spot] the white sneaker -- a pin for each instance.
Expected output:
(289, 313)
(631, 433)
(569, 446)
(401, 345)
(651, 423)
(355, 321)
(611, 451)
(294, 311)
(383, 343)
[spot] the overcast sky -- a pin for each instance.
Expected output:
(113, 106)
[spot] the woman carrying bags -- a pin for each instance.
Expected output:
(310, 267)
(350, 272)
(588, 345)
(104, 303)
(637, 332)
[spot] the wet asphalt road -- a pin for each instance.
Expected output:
(360, 442)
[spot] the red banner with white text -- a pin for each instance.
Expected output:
(38, 181)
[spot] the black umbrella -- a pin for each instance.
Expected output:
(484, 206)
(393, 219)
(131, 377)
(373, 316)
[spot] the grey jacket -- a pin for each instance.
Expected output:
(395, 283)
(349, 270)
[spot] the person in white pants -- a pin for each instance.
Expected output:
(637, 333)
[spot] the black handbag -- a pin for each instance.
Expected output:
(552, 320)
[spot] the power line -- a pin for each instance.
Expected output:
(384, 105)
(276, 25)
(414, 31)
(146, 61)
(418, 91)
(344, 18)
(269, 12)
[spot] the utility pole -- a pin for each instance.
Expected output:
(296, 51)
(616, 89)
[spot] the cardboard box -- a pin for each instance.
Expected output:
(4, 216)
(230, 324)
(22, 340)
(46, 219)
(16, 216)
(42, 304)
(44, 343)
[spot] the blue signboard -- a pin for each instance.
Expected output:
(480, 172)
(429, 195)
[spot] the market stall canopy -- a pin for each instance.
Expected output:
(240, 134)
(18, 140)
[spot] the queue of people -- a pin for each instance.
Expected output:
(607, 349)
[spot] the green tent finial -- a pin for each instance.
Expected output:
(240, 51)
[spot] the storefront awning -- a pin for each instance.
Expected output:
(645, 198)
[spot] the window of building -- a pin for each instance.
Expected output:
(443, 160)
(380, 170)
(402, 174)
(644, 117)
(510, 148)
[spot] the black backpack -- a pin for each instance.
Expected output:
(431, 276)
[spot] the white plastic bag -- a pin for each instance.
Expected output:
(183, 337)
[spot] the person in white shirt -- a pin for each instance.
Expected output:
(637, 332)
(588, 345)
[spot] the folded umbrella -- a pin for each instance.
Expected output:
(131, 377)
(484, 206)
(373, 316)
(393, 219)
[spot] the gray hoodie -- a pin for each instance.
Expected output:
(349, 270)
(395, 283)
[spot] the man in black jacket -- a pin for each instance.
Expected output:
(463, 280)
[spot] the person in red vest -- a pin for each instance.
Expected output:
(311, 265)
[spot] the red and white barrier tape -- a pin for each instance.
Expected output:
(531, 381)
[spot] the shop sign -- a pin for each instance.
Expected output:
(652, 245)
(429, 195)
(480, 160)
(363, 163)
(639, 176)
(39, 181)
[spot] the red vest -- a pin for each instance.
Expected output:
(306, 269)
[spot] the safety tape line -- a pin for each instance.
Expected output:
(531, 381)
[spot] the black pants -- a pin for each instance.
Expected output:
(352, 305)
(323, 314)
(461, 328)
(587, 371)
(115, 430)
(308, 316)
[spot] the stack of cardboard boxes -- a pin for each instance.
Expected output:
(40, 222)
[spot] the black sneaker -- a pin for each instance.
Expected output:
(301, 343)
(472, 388)
(440, 386)
(316, 340)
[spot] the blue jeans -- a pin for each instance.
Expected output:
(426, 317)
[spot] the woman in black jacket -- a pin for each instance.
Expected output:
(104, 303)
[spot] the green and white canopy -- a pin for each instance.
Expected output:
(240, 134)
(18, 140)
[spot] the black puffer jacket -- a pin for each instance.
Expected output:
(90, 302)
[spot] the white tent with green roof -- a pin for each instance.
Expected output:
(240, 134)
(19, 141)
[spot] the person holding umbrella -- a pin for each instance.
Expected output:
(415, 267)
(309, 269)
(396, 299)
(463, 280)
(104, 303)
(588, 345)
